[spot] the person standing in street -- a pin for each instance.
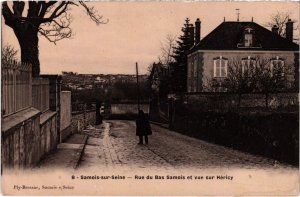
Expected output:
(143, 128)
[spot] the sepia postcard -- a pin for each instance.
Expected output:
(150, 98)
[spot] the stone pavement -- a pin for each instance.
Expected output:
(115, 145)
(67, 155)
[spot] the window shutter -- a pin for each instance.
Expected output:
(271, 67)
(243, 66)
(195, 68)
(215, 62)
(226, 64)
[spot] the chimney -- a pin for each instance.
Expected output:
(192, 35)
(197, 30)
(275, 29)
(289, 30)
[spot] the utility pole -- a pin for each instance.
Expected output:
(138, 85)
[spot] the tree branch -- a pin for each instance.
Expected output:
(55, 26)
(57, 30)
(63, 5)
(44, 7)
(32, 9)
(18, 7)
(93, 14)
(8, 15)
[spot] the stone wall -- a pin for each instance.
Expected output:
(80, 120)
(48, 132)
(128, 108)
(234, 102)
(26, 137)
(54, 93)
(65, 114)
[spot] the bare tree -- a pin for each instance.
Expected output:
(149, 68)
(50, 19)
(167, 49)
(8, 53)
(241, 77)
(280, 18)
(272, 76)
(260, 75)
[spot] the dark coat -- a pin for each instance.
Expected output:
(143, 126)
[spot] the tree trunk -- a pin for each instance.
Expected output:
(28, 40)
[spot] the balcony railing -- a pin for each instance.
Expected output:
(16, 87)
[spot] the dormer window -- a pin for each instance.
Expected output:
(248, 37)
(248, 40)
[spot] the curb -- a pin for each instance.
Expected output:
(80, 151)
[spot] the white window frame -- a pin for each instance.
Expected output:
(248, 31)
(248, 62)
(277, 60)
(249, 42)
(221, 59)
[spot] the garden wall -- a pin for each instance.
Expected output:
(26, 137)
(270, 132)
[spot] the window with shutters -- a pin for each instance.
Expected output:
(277, 66)
(220, 67)
(248, 66)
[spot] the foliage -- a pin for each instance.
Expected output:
(120, 91)
(257, 75)
(8, 53)
(179, 67)
(128, 91)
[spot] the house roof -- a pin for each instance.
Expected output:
(228, 35)
(159, 68)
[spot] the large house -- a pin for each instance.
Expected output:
(208, 59)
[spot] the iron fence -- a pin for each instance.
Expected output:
(40, 94)
(16, 87)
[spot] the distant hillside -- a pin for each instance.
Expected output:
(75, 80)
(112, 87)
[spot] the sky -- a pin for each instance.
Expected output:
(135, 31)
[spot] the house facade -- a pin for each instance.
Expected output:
(243, 44)
(158, 77)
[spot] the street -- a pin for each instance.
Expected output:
(115, 145)
(108, 156)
